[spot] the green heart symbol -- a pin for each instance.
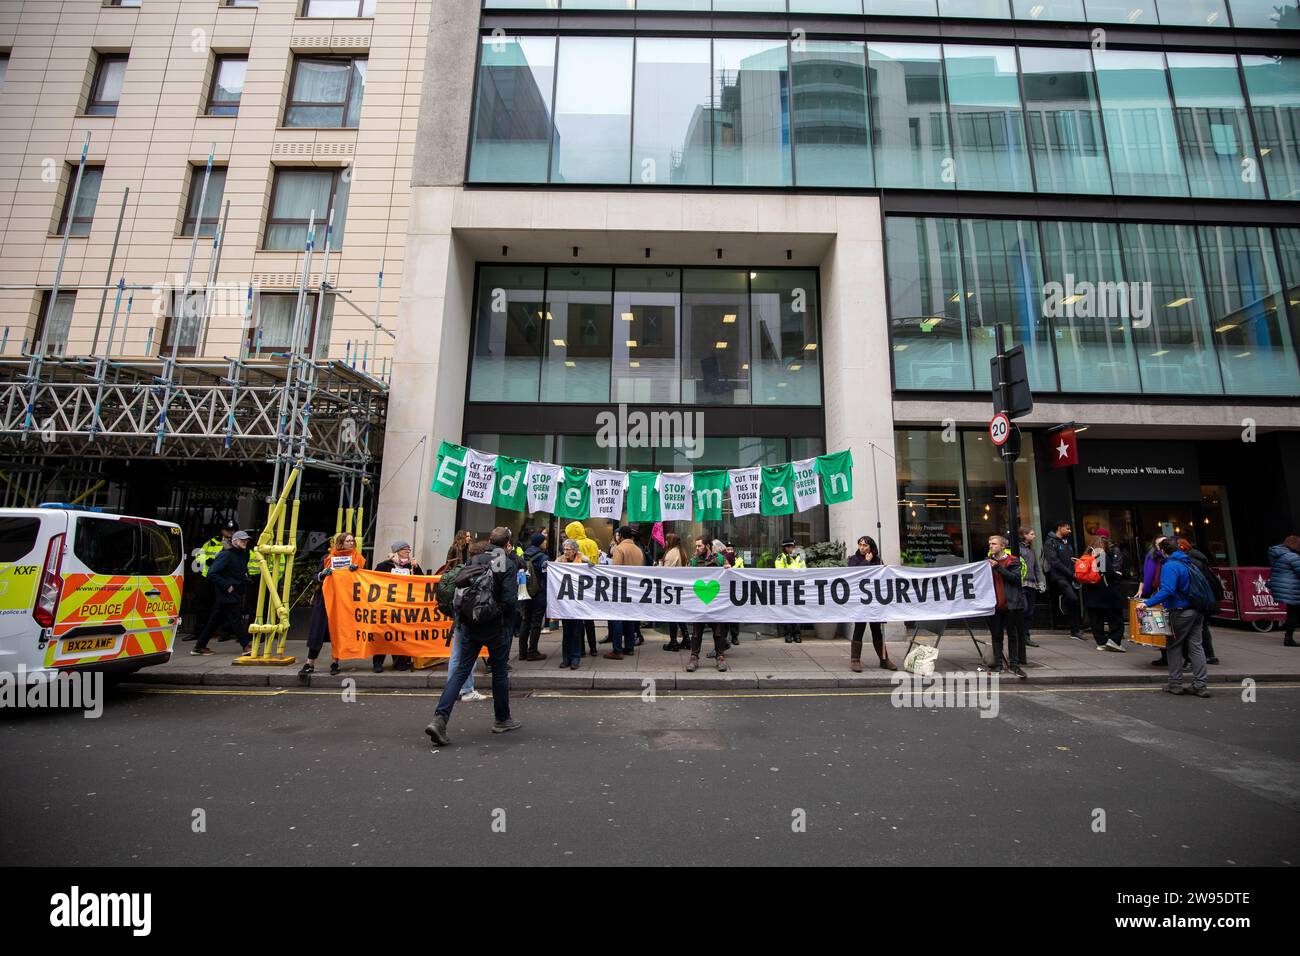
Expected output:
(706, 591)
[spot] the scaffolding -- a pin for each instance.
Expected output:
(293, 410)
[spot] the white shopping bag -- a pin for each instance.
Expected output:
(920, 660)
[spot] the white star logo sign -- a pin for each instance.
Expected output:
(1062, 449)
(1261, 586)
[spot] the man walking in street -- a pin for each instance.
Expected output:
(486, 596)
(1174, 594)
(1058, 555)
(228, 577)
(789, 560)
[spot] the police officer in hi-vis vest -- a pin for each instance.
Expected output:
(789, 560)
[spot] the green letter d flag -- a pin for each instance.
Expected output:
(511, 490)
(777, 497)
(837, 477)
(575, 495)
(710, 489)
(449, 470)
(642, 496)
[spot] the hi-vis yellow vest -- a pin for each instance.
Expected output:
(211, 548)
(793, 563)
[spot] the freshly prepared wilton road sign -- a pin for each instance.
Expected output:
(871, 593)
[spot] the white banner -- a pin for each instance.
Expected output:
(752, 595)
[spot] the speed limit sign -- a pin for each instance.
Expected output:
(1000, 429)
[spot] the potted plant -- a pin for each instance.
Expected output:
(826, 554)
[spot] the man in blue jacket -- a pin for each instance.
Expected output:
(1175, 580)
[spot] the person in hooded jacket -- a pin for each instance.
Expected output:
(590, 551)
(1103, 599)
(1058, 555)
(1184, 619)
(398, 562)
(530, 625)
(1216, 588)
(1284, 582)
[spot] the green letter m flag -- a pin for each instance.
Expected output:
(449, 470)
(837, 477)
(575, 495)
(710, 488)
(511, 492)
(777, 496)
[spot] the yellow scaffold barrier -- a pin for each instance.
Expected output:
(274, 553)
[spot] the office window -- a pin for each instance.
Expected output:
(123, 3)
(4, 69)
(512, 119)
(909, 116)
(715, 336)
(647, 303)
(1266, 14)
(974, 8)
(1288, 244)
(241, 3)
(227, 85)
(902, 8)
(273, 324)
(987, 120)
(1064, 121)
(927, 304)
(785, 355)
(509, 327)
(671, 133)
(578, 327)
(1174, 351)
(1193, 13)
(296, 195)
(1273, 83)
(825, 6)
(930, 513)
(338, 8)
(984, 475)
(751, 114)
(1213, 129)
(184, 312)
(1003, 276)
(831, 134)
(1248, 311)
(326, 92)
(87, 198)
(593, 110)
(1090, 307)
(106, 85)
(1141, 136)
(1122, 11)
(60, 321)
(211, 202)
(1049, 10)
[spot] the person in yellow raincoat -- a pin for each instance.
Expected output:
(590, 552)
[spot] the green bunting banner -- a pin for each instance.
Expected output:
(517, 484)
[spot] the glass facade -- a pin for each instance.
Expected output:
(668, 111)
(1100, 307)
(640, 335)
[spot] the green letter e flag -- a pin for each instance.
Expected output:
(449, 470)
(837, 477)
(777, 496)
(575, 495)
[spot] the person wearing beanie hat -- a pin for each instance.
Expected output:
(228, 577)
(532, 609)
(399, 562)
(1102, 599)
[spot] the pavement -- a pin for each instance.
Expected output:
(758, 663)
(1071, 775)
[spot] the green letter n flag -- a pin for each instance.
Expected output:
(837, 477)
(777, 496)
(575, 495)
(511, 490)
(449, 470)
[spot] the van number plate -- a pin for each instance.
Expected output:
(88, 644)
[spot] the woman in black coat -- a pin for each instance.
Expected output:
(1102, 600)
(868, 554)
(398, 562)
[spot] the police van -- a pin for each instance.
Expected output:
(81, 589)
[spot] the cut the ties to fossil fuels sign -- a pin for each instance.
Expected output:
(752, 595)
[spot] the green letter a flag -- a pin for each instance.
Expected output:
(642, 496)
(511, 489)
(710, 488)
(575, 495)
(777, 497)
(837, 477)
(449, 470)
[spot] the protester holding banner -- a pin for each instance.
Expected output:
(485, 602)
(343, 553)
(399, 562)
(1009, 614)
(706, 558)
(625, 554)
(867, 554)
(789, 560)
(590, 551)
(675, 557)
(570, 628)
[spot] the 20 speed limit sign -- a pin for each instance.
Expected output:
(1000, 429)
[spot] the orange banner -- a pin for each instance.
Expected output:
(371, 612)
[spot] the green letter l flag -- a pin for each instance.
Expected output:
(642, 496)
(449, 470)
(511, 490)
(777, 496)
(836, 472)
(575, 495)
(710, 489)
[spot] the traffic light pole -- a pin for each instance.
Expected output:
(1011, 450)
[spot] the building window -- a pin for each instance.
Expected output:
(241, 3)
(295, 195)
(670, 142)
(338, 9)
(211, 202)
(715, 337)
(512, 115)
(1064, 120)
(1265, 14)
(272, 330)
(832, 141)
(1138, 116)
(576, 346)
(508, 331)
(1273, 83)
(593, 110)
(647, 344)
(87, 197)
(1194, 13)
(909, 116)
(121, 3)
(326, 92)
(1213, 127)
(4, 69)
(227, 85)
(184, 312)
(751, 113)
(60, 321)
(784, 352)
(927, 305)
(988, 124)
(106, 85)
